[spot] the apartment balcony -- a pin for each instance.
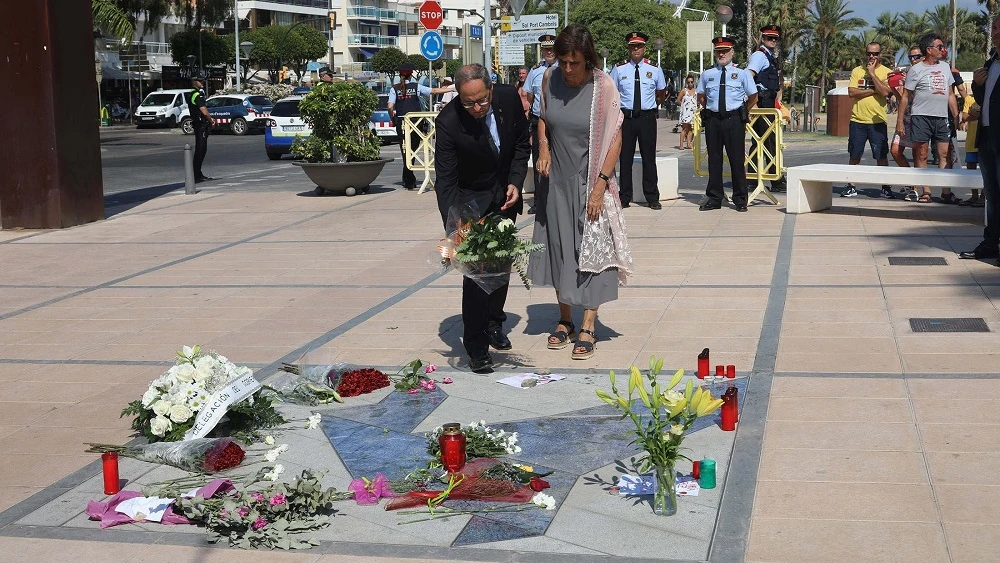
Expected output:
(371, 40)
(372, 13)
(356, 67)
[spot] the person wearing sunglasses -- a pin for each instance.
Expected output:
(765, 67)
(869, 90)
(482, 145)
(687, 98)
(929, 96)
(901, 141)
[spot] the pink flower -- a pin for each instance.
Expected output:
(278, 500)
(430, 369)
(260, 523)
(430, 386)
(368, 492)
(243, 511)
(412, 392)
(258, 497)
(447, 380)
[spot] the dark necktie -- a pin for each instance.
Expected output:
(636, 94)
(489, 137)
(722, 91)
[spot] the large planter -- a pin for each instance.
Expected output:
(343, 178)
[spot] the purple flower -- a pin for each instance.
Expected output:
(368, 492)
(257, 497)
(278, 500)
(430, 369)
(447, 380)
(430, 386)
(243, 511)
(260, 523)
(412, 392)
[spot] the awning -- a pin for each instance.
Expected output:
(368, 53)
(370, 22)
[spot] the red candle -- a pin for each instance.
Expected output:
(731, 371)
(720, 370)
(111, 485)
(452, 443)
(703, 364)
(696, 469)
(728, 414)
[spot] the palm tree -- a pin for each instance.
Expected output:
(110, 19)
(913, 25)
(889, 35)
(828, 19)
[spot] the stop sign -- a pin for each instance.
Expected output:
(431, 14)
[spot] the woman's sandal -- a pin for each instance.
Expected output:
(950, 199)
(925, 198)
(588, 347)
(562, 337)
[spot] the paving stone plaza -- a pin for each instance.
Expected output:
(859, 439)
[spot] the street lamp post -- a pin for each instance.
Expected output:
(245, 48)
(604, 53)
(724, 15)
(236, 27)
(659, 48)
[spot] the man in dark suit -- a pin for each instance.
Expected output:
(481, 156)
(987, 95)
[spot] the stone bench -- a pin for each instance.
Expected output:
(666, 171)
(810, 187)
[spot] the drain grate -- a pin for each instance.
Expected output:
(917, 261)
(977, 324)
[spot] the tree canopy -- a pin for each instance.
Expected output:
(388, 61)
(292, 46)
(215, 49)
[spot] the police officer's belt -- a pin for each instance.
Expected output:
(629, 114)
(721, 114)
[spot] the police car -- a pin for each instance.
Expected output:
(283, 126)
(238, 113)
(381, 122)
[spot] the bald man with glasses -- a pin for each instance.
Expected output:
(869, 89)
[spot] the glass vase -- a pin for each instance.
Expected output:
(665, 492)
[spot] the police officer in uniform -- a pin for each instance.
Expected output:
(533, 88)
(202, 122)
(404, 97)
(325, 74)
(642, 88)
(725, 91)
(765, 67)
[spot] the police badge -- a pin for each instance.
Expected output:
(649, 74)
(733, 76)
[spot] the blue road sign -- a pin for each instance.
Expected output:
(476, 31)
(431, 45)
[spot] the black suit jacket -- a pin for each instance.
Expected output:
(467, 169)
(979, 93)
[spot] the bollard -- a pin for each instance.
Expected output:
(188, 170)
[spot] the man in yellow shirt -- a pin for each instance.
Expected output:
(869, 88)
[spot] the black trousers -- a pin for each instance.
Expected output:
(643, 129)
(730, 133)
(409, 178)
(989, 167)
(201, 133)
(760, 126)
(481, 311)
(541, 182)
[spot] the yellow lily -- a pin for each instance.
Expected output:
(606, 398)
(678, 375)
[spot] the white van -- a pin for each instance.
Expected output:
(163, 107)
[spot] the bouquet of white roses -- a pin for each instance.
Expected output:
(177, 400)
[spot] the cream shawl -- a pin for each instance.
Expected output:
(605, 241)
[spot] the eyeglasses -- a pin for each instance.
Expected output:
(915, 57)
(480, 103)
(873, 53)
(938, 46)
(770, 38)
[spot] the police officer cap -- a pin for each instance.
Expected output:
(636, 37)
(200, 76)
(723, 43)
(406, 66)
(772, 30)
(325, 70)
(547, 40)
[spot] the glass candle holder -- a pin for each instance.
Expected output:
(111, 481)
(728, 412)
(707, 479)
(730, 371)
(703, 364)
(452, 443)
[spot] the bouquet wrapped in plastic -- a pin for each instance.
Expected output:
(485, 249)
(202, 455)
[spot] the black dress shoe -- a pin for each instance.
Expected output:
(498, 340)
(203, 179)
(710, 206)
(481, 364)
(980, 252)
(741, 208)
(626, 204)
(656, 206)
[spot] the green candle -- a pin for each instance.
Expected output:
(707, 480)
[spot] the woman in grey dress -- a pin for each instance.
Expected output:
(586, 253)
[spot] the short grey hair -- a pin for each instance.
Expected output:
(475, 71)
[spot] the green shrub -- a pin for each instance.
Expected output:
(338, 113)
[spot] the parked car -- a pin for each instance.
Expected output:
(382, 124)
(238, 113)
(163, 107)
(283, 126)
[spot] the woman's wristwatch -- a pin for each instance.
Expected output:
(604, 177)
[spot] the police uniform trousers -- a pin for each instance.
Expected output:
(201, 132)
(541, 182)
(726, 130)
(641, 127)
(766, 101)
(409, 178)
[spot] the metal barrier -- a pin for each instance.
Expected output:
(420, 124)
(761, 158)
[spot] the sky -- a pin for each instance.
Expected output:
(870, 10)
